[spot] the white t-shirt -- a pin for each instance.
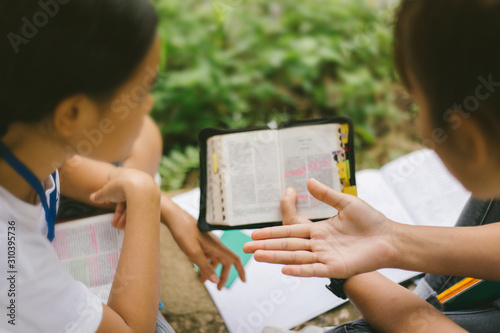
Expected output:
(36, 294)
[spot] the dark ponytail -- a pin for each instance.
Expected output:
(52, 49)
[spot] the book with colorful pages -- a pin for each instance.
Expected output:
(244, 172)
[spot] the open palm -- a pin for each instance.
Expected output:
(358, 239)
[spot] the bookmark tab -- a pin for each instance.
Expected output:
(352, 190)
(344, 128)
(344, 170)
(214, 163)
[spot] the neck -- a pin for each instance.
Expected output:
(41, 154)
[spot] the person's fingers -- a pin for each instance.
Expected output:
(119, 216)
(288, 209)
(249, 247)
(310, 270)
(240, 269)
(122, 221)
(121, 207)
(219, 250)
(111, 192)
(223, 276)
(297, 230)
(289, 244)
(337, 200)
(97, 197)
(116, 218)
(206, 267)
(286, 257)
(215, 263)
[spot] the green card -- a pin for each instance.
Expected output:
(234, 240)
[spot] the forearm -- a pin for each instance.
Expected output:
(135, 291)
(147, 151)
(81, 177)
(171, 214)
(389, 307)
(460, 251)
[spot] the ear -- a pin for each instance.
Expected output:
(74, 113)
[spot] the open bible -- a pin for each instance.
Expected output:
(89, 250)
(414, 189)
(244, 173)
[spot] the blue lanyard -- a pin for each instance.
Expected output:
(19, 167)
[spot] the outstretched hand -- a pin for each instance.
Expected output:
(357, 240)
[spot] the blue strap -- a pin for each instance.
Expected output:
(51, 224)
(19, 167)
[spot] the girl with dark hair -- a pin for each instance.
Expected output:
(446, 55)
(65, 65)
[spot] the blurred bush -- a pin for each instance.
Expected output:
(235, 63)
(176, 166)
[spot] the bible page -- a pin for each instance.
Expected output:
(373, 189)
(214, 200)
(89, 250)
(431, 195)
(308, 152)
(250, 177)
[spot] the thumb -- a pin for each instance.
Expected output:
(289, 209)
(336, 199)
(111, 192)
(98, 197)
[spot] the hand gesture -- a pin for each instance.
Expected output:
(203, 248)
(358, 239)
(125, 184)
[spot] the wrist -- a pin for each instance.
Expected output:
(354, 282)
(395, 244)
(143, 198)
(168, 207)
(142, 186)
(336, 286)
(172, 214)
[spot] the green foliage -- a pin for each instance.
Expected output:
(235, 63)
(176, 166)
